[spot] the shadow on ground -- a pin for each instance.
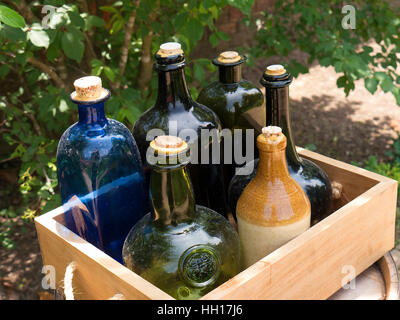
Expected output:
(333, 131)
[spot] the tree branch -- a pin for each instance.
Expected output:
(127, 44)
(146, 63)
(45, 68)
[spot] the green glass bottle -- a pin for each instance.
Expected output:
(176, 113)
(235, 101)
(184, 249)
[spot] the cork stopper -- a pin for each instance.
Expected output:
(229, 57)
(168, 145)
(88, 89)
(275, 70)
(170, 49)
(271, 139)
(271, 131)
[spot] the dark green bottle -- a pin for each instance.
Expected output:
(235, 101)
(185, 249)
(175, 113)
(307, 174)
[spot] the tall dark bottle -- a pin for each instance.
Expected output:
(175, 113)
(307, 174)
(100, 173)
(235, 101)
(185, 249)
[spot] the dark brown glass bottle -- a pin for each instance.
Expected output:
(176, 113)
(307, 174)
(234, 100)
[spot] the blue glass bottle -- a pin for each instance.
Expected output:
(100, 175)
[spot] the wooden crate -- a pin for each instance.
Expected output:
(311, 266)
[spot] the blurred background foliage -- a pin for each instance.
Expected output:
(46, 45)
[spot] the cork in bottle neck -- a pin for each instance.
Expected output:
(89, 89)
(168, 145)
(271, 139)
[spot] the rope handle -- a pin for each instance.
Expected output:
(68, 289)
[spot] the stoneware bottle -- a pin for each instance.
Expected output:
(100, 172)
(184, 249)
(311, 177)
(176, 113)
(273, 208)
(235, 101)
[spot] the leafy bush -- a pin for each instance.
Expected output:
(43, 49)
(315, 27)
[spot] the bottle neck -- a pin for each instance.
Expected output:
(172, 88)
(277, 112)
(92, 114)
(272, 165)
(172, 196)
(230, 74)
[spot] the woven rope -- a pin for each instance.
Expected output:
(69, 290)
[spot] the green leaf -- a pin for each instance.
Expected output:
(72, 47)
(213, 39)
(39, 38)
(94, 21)
(325, 62)
(341, 82)
(52, 52)
(198, 71)
(243, 5)
(76, 19)
(194, 30)
(11, 17)
(110, 74)
(380, 75)
(223, 36)
(371, 84)
(4, 70)
(387, 84)
(180, 20)
(14, 34)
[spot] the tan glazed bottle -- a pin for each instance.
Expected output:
(273, 208)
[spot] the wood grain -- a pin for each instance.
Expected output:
(309, 267)
(98, 276)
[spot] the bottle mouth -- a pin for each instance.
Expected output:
(271, 139)
(276, 76)
(229, 59)
(170, 56)
(89, 90)
(168, 152)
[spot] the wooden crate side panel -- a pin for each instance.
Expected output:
(311, 266)
(97, 275)
(355, 180)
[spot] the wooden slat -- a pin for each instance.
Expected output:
(97, 276)
(310, 266)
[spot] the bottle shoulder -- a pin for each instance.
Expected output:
(111, 129)
(205, 219)
(195, 116)
(86, 141)
(216, 89)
